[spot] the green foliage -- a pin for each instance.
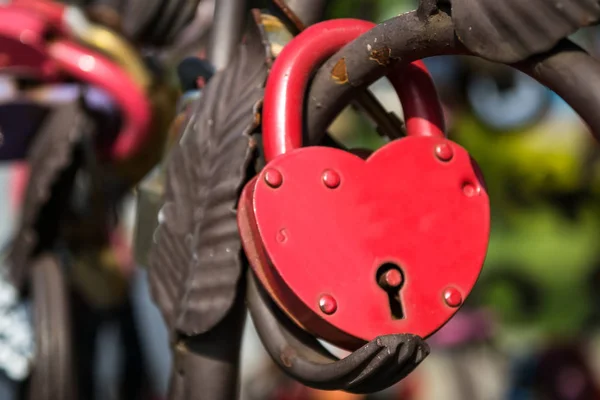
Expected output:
(373, 10)
(390, 8)
(531, 237)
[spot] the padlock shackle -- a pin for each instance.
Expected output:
(91, 68)
(290, 76)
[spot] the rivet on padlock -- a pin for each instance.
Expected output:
(390, 244)
(331, 179)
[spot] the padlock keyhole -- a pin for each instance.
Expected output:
(391, 279)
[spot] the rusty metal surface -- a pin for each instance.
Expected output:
(295, 16)
(49, 156)
(511, 30)
(413, 39)
(566, 69)
(196, 264)
(375, 366)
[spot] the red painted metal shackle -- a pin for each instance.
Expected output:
(284, 98)
(22, 38)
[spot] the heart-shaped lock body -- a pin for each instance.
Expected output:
(351, 249)
(332, 224)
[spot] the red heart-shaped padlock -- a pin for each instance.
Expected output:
(333, 223)
(352, 249)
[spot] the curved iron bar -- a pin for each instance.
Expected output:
(567, 69)
(376, 366)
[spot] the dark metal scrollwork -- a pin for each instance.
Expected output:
(374, 367)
